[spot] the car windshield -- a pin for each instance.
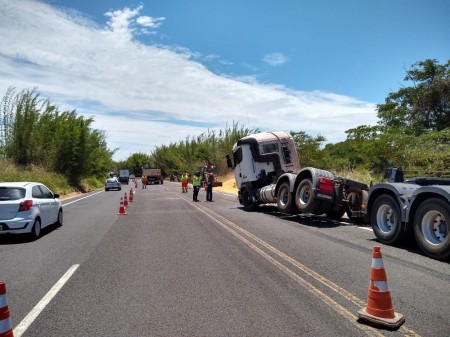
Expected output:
(11, 193)
(111, 180)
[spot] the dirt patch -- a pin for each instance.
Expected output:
(69, 195)
(228, 184)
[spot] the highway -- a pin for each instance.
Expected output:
(172, 267)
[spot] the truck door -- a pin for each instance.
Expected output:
(244, 165)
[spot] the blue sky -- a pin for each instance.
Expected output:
(155, 72)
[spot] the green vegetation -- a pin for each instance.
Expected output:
(34, 133)
(39, 142)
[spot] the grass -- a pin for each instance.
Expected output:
(58, 183)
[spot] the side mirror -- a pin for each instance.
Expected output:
(229, 163)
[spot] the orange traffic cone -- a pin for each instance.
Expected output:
(122, 208)
(379, 310)
(5, 321)
(131, 195)
(125, 200)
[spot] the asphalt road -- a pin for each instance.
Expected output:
(171, 267)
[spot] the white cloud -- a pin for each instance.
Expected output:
(275, 59)
(148, 21)
(145, 95)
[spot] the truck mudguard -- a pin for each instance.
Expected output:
(314, 174)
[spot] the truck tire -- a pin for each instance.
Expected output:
(386, 220)
(304, 197)
(432, 226)
(247, 200)
(285, 199)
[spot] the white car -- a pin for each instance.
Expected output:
(27, 207)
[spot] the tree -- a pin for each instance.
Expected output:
(308, 148)
(425, 106)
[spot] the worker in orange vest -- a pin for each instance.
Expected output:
(184, 183)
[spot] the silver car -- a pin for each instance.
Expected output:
(27, 207)
(112, 184)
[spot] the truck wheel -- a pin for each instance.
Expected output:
(386, 220)
(431, 228)
(285, 199)
(304, 197)
(247, 200)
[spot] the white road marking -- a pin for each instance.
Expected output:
(91, 195)
(38, 308)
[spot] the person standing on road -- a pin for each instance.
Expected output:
(184, 183)
(196, 181)
(209, 187)
(207, 169)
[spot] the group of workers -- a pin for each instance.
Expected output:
(205, 177)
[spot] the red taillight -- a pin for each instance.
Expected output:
(25, 205)
(326, 185)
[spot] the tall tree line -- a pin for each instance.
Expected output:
(190, 154)
(34, 132)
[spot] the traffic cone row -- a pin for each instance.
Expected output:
(124, 204)
(5, 321)
(379, 310)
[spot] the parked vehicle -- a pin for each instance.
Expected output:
(267, 170)
(124, 176)
(153, 175)
(112, 184)
(400, 207)
(27, 207)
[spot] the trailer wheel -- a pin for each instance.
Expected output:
(386, 220)
(431, 228)
(285, 199)
(304, 197)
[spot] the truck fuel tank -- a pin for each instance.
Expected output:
(267, 194)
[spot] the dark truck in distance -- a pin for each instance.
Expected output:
(267, 171)
(124, 176)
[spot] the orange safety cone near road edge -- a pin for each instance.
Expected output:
(125, 200)
(131, 195)
(379, 310)
(122, 208)
(5, 321)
